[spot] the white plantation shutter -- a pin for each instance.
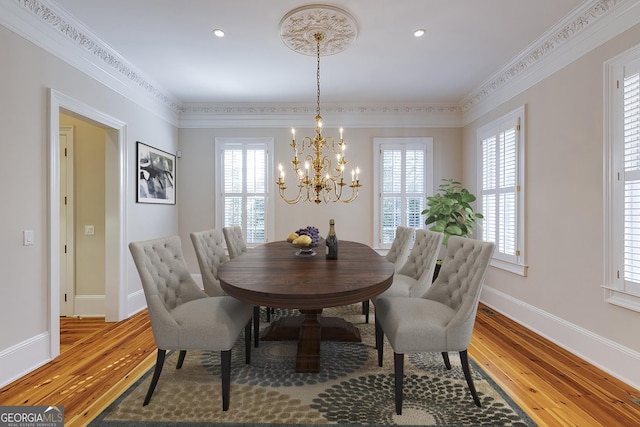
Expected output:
(403, 184)
(500, 190)
(631, 137)
(244, 168)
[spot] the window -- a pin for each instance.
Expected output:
(244, 168)
(500, 196)
(622, 194)
(404, 169)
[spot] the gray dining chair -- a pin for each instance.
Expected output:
(183, 317)
(416, 274)
(209, 248)
(236, 246)
(442, 319)
(397, 255)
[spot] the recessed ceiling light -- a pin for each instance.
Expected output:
(419, 33)
(218, 32)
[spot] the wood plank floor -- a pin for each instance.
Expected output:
(100, 360)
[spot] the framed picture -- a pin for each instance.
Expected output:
(156, 175)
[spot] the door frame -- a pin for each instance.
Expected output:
(67, 222)
(115, 194)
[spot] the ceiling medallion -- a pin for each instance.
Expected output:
(299, 27)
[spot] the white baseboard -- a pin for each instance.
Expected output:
(89, 305)
(611, 357)
(136, 302)
(24, 357)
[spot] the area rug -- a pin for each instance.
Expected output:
(351, 389)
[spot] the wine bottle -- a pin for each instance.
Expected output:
(332, 242)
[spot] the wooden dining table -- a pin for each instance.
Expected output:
(273, 275)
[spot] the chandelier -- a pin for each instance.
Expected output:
(319, 163)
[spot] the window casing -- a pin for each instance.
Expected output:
(622, 190)
(501, 189)
(244, 166)
(404, 171)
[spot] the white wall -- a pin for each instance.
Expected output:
(562, 296)
(27, 73)
(354, 221)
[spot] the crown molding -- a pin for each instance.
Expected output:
(587, 27)
(48, 26)
(202, 115)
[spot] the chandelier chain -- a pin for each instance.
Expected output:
(319, 38)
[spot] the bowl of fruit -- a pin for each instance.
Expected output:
(304, 240)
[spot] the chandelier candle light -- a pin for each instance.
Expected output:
(319, 178)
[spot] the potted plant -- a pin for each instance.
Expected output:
(450, 212)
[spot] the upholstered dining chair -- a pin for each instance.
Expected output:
(397, 255)
(416, 273)
(235, 242)
(209, 248)
(442, 319)
(236, 246)
(183, 317)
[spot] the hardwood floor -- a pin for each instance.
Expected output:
(554, 387)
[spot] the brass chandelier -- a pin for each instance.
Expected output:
(319, 163)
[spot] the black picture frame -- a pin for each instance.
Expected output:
(156, 175)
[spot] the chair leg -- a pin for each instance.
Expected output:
(379, 341)
(398, 369)
(268, 314)
(156, 375)
(256, 325)
(183, 353)
(445, 357)
(464, 359)
(247, 343)
(225, 363)
(365, 310)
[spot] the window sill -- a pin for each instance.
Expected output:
(518, 269)
(622, 299)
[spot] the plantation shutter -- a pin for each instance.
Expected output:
(244, 189)
(403, 188)
(631, 136)
(500, 189)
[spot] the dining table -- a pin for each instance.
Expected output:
(275, 275)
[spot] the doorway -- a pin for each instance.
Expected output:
(115, 161)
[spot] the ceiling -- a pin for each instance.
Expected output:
(171, 44)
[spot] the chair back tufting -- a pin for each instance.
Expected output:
(209, 247)
(166, 279)
(422, 260)
(236, 245)
(400, 246)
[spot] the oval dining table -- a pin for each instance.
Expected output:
(273, 275)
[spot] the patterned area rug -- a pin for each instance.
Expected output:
(351, 389)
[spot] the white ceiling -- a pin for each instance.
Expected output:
(171, 43)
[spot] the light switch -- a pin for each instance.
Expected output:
(89, 230)
(27, 237)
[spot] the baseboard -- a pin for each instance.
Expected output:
(89, 305)
(613, 358)
(24, 357)
(136, 302)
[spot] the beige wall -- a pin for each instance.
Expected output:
(564, 208)
(27, 74)
(354, 221)
(89, 206)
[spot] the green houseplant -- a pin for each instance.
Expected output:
(450, 211)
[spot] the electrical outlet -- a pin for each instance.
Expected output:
(89, 230)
